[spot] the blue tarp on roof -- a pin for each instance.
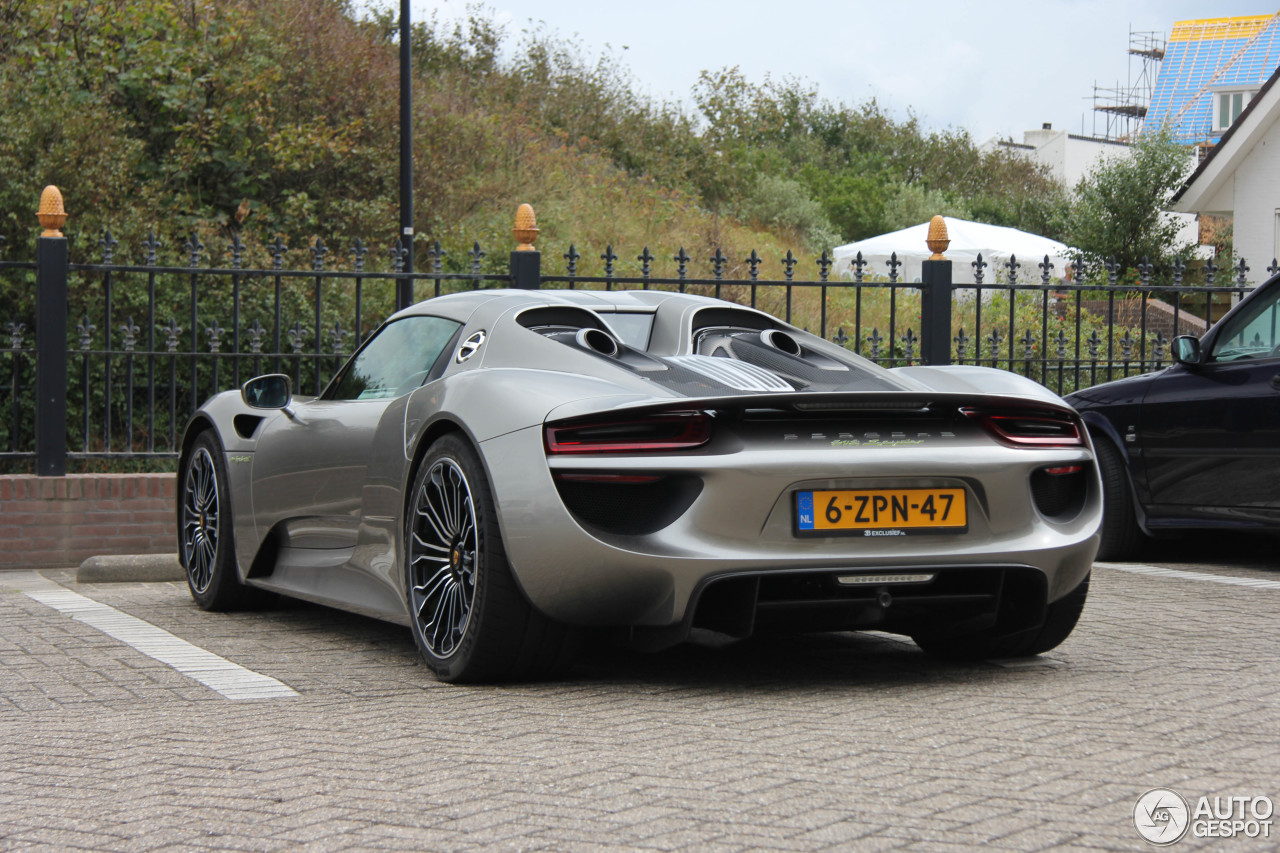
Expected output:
(1204, 58)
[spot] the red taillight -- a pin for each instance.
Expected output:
(661, 432)
(1035, 428)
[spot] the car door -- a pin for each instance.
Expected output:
(311, 466)
(1210, 432)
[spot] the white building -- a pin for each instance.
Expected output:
(1068, 156)
(1240, 178)
(1071, 157)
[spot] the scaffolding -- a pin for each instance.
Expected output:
(1118, 110)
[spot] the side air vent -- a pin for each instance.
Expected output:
(247, 425)
(780, 341)
(597, 341)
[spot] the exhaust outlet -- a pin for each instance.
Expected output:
(597, 341)
(780, 341)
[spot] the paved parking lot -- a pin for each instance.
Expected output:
(834, 742)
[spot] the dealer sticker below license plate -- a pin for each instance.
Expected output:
(881, 512)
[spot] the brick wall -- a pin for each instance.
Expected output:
(60, 521)
(1159, 316)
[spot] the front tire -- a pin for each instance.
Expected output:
(469, 619)
(1122, 538)
(206, 543)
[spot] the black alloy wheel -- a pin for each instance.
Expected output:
(470, 619)
(200, 519)
(442, 552)
(206, 544)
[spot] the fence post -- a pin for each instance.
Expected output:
(51, 337)
(935, 297)
(526, 261)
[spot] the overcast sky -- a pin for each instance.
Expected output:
(992, 67)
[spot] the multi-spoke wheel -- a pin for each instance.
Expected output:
(200, 519)
(442, 550)
(205, 541)
(470, 620)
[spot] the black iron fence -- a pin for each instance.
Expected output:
(109, 359)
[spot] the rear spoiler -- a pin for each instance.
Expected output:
(808, 403)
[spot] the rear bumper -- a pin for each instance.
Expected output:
(740, 526)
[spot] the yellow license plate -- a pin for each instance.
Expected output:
(883, 512)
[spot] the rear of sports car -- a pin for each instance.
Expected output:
(957, 519)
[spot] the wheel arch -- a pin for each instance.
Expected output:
(199, 423)
(433, 432)
(1100, 430)
(1101, 426)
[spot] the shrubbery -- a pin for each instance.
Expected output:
(280, 117)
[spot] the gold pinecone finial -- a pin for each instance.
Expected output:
(526, 230)
(52, 214)
(937, 241)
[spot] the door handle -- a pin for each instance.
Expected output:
(1275, 382)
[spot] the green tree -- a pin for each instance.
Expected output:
(785, 205)
(1119, 206)
(260, 118)
(911, 204)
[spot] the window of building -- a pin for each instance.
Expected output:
(1230, 105)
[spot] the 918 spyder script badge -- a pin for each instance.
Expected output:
(876, 442)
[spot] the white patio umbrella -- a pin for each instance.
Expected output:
(968, 239)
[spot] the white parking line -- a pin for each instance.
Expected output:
(1138, 569)
(219, 674)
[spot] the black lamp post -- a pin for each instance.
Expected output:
(404, 291)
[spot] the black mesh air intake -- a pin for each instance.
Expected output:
(1059, 495)
(628, 508)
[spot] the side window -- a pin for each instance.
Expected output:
(394, 361)
(1252, 334)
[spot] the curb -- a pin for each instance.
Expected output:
(137, 568)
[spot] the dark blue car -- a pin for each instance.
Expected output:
(1196, 445)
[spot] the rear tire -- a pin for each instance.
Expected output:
(469, 619)
(206, 542)
(1122, 538)
(1060, 620)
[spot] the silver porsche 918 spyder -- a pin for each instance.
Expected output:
(503, 471)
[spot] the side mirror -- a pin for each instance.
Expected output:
(1186, 350)
(273, 391)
